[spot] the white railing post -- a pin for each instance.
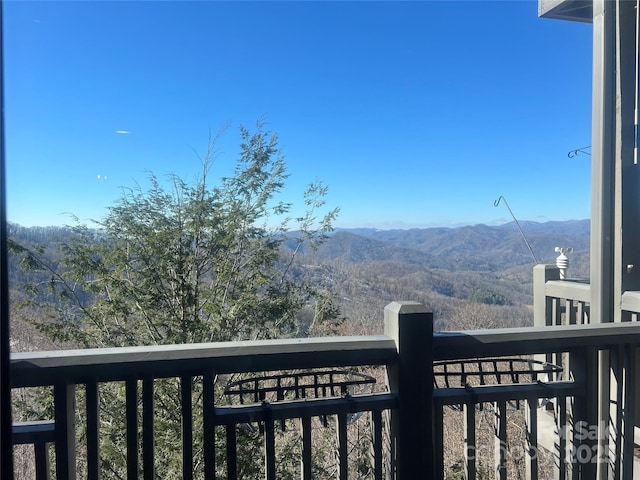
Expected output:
(411, 378)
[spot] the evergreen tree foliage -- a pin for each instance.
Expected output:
(190, 262)
(185, 262)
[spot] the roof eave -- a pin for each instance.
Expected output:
(574, 10)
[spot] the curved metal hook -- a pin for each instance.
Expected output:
(524, 237)
(578, 151)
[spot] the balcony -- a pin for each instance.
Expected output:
(428, 378)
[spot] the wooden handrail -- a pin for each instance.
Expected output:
(532, 340)
(32, 369)
(407, 350)
(111, 364)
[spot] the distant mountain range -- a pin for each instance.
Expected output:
(478, 248)
(468, 248)
(447, 269)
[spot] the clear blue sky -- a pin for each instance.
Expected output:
(414, 114)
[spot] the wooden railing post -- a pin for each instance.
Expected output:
(411, 378)
(65, 430)
(584, 413)
(541, 307)
(92, 402)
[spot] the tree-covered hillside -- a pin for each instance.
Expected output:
(448, 269)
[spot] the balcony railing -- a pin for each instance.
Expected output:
(559, 302)
(408, 429)
(568, 301)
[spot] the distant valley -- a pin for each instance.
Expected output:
(446, 268)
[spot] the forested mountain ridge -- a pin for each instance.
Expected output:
(468, 248)
(448, 269)
(478, 247)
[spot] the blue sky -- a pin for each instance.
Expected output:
(415, 114)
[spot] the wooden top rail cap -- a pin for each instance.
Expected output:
(111, 364)
(530, 340)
